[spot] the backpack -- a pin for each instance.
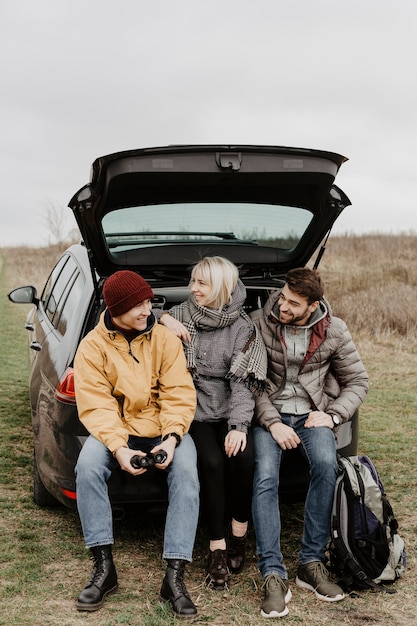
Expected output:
(365, 548)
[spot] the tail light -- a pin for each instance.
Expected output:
(72, 495)
(65, 392)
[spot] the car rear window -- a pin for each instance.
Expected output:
(264, 225)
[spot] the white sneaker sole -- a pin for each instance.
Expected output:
(284, 612)
(318, 595)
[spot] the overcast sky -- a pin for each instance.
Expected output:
(84, 78)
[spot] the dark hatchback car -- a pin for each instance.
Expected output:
(157, 211)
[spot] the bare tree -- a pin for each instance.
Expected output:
(55, 220)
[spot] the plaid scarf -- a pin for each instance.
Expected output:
(250, 365)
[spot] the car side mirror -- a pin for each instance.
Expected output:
(24, 295)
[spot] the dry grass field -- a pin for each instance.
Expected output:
(371, 281)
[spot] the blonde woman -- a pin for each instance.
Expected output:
(227, 360)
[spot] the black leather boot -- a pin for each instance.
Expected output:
(217, 570)
(103, 580)
(173, 589)
(236, 552)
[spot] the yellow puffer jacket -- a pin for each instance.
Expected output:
(143, 389)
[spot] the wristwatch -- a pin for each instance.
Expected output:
(336, 419)
(177, 437)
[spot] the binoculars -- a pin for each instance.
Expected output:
(139, 462)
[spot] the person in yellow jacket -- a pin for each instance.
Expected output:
(136, 397)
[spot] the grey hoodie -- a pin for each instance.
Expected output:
(294, 398)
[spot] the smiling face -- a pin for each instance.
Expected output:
(136, 318)
(293, 308)
(200, 288)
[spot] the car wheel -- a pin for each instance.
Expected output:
(41, 495)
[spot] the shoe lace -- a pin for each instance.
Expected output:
(273, 582)
(319, 571)
(179, 582)
(98, 569)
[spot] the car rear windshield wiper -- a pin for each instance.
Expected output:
(115, 239)
(172, 232)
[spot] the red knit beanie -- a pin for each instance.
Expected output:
(123, 290)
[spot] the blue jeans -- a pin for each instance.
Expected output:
(320, 448)
(94, 467)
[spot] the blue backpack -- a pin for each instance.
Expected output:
(365, 550)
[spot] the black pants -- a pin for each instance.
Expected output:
(226, 483)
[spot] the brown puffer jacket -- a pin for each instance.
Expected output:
(332, 372)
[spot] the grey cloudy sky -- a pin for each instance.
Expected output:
(83, 78)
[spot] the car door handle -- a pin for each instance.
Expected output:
(29, 327)
(35, 345)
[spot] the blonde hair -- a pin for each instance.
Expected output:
(221, 275)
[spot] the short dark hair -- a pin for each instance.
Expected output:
(306, 282)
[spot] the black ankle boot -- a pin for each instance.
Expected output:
(236, 552)
(103, 580)
(173, 589)
(217, 569)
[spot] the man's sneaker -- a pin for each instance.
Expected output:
(315, 577)
(277, 596)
